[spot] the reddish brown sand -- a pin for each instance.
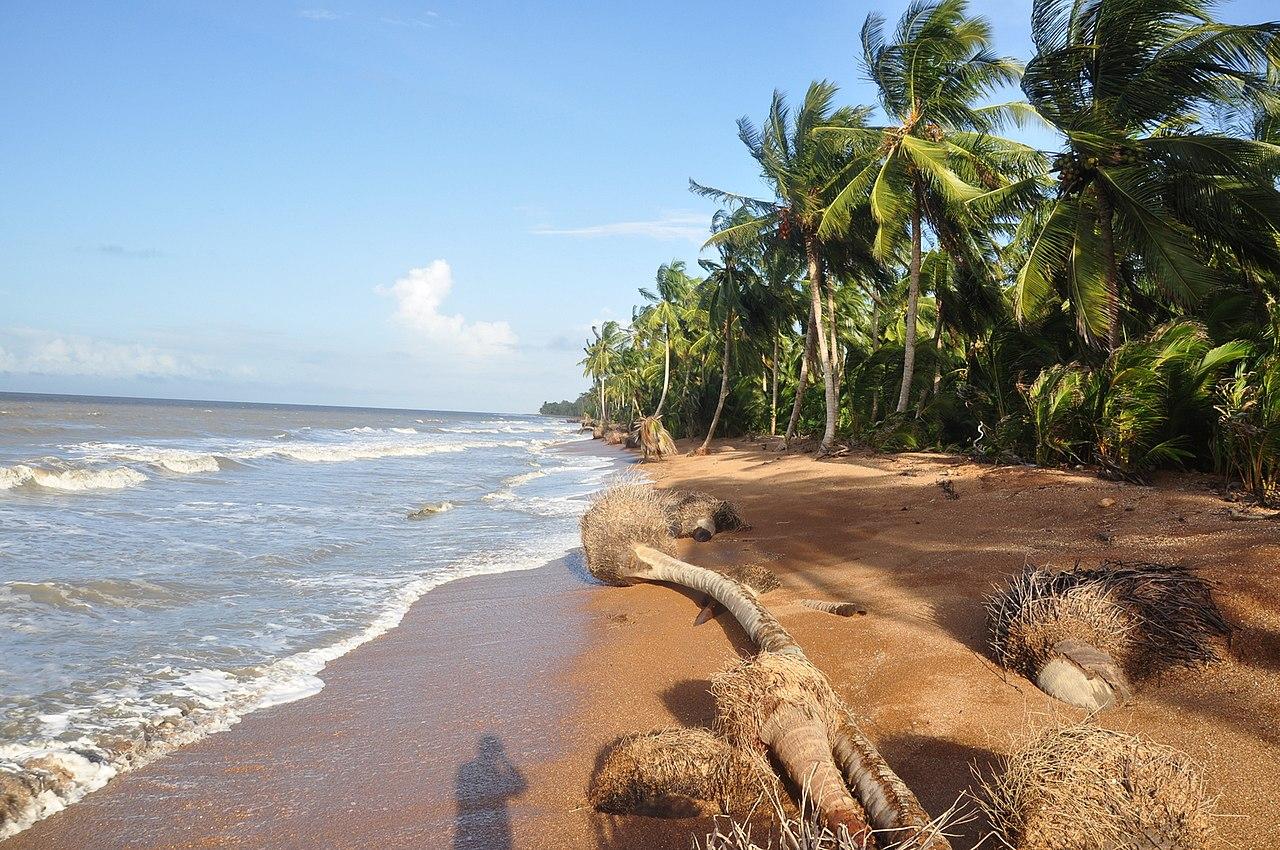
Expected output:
(484, 714)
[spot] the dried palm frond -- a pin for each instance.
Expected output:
(1083, 787)
(678, 773)
(655, 440)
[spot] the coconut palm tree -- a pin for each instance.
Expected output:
(930, 76)
(602, 354)
(801, 169)
(671, 287)
(724, 294)
(1144, 193)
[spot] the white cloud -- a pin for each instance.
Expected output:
(694, 227)
(419, 295)
(318, 15)
(27, 351)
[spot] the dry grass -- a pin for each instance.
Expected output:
(687, 507)
(1147, 616)
(782, 830)
(678, 773)
(627, 512)
(1086, 788)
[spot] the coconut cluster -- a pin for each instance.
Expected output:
(1146, 616)
(1082, 787)
(678, 773)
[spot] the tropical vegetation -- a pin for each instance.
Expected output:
(915, 275)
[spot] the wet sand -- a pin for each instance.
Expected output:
(477, 723)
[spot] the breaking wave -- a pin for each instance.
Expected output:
(57, 475)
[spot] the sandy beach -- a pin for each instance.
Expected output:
(477, 723)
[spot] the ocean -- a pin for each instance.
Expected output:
(167, 567)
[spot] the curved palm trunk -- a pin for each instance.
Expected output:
(936, 383)
(1110, 276)
(724, 391)
(809, 342)
(666, 374)
(813, 748)
(773, 393)
(604, 413)
(824, 354)
(913, 305)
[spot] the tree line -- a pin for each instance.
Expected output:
(916, 276)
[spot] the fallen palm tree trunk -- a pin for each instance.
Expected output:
(1082, 635)
(756, 579)
(700, 515)
(655, 440)
(840, 609)
(778, 700)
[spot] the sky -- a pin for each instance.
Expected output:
(399, 204)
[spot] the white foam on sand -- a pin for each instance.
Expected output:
(68, 770)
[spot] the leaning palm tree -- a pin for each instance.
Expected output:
(1143, 193)
(930, 75)
(671, 287)
(724, 292)
(602, 354)
(801, 169)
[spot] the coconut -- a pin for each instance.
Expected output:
(677, 773)
(623, 515)
(1082, 787)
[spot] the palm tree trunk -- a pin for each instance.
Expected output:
(773, 395)
(801, 742)
(875, 348)
(937, 351)
(724, 391)
(828, 369)
(913, 305)
(810, 341)
(666, 374)
(604, 413)
(1110, 274)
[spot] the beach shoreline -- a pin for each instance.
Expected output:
(399, 748)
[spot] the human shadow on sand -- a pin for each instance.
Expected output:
(483, 789)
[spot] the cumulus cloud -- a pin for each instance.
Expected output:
(418, 297)
(28, 351)
(692, 227)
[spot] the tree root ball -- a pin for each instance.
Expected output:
(751, 694)
(626, 513)
(1082, 787)
(688, 509)
(756, 577)
(677, 773)
(1147, 616)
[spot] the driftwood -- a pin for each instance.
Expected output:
(798, 718)
(840, 609)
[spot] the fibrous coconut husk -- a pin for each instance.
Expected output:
(626, 513)
(687, 507)
(1082, 788)
(677, 773)
(1147, 616)
(749, 694)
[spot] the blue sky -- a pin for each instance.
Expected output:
(376, 203)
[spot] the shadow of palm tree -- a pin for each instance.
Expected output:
(483, 789)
